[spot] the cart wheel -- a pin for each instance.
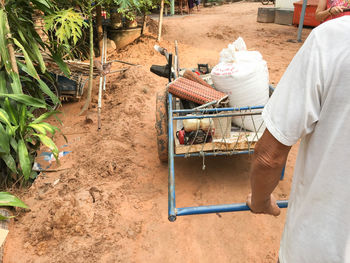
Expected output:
(162, 126)
(265, 2)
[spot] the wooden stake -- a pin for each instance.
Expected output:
(160, 20)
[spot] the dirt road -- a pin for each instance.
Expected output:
(110, 202)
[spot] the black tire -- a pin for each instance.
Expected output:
(162, 126)
(265, 2)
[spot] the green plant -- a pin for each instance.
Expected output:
(7, 199)
(130, 8)
(18, 24)
(24, 80)
(65, 29)
(22, 133)
(66, 25)
(147, 5)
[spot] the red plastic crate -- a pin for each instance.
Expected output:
(309, 19)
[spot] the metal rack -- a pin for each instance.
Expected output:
(174, 115)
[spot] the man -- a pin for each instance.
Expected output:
(311, 102)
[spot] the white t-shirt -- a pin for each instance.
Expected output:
(312, 102)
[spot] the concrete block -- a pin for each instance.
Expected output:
(266, 15)
(284, 16)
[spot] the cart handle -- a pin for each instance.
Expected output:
(169, 59)
(217, 209)
(162, 51)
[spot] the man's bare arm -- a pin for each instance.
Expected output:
(270, 157)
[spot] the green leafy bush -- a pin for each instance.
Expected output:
(66, 24)
(130, 8)
(24, 82)
(66, 34)
(22, 133)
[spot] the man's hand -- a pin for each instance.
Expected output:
(335, 10)
(268, 207)
(270, 157)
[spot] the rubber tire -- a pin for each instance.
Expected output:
(265, 2)
(162, 126)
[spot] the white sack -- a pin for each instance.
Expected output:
(243, 75)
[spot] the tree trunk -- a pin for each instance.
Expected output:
(91, 76)
(99, 27)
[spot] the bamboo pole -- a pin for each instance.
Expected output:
(99, 27)
(100, 89)
(91, 72)
(9, 45)
(105, 47)
(172, 7)
(160, 20)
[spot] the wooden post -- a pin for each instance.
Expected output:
(144, 23)
(160, 19)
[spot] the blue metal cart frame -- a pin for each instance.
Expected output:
(173, 211)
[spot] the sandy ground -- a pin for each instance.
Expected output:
(109, 204)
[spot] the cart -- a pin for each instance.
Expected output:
(229, 140)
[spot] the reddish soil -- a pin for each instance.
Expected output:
(110, 202)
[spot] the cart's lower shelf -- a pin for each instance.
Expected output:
(238, 141)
